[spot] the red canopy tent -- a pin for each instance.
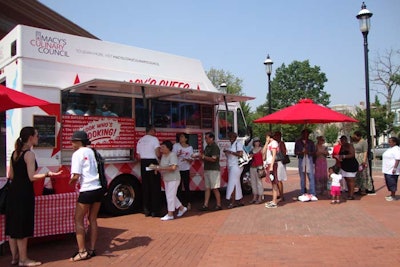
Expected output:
(305, 111)
(10, 98)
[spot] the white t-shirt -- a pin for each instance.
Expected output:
(146, 147)
(273, 145)
(183, 153)
(336, 178)
(84, 163)
(389, 158)
(235, 147)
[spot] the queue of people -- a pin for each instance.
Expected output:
(173, 162)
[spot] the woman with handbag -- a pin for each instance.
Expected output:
(257, 172)
(20, 209)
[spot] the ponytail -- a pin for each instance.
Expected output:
(23, 138)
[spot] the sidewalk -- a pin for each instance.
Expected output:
(361, 232)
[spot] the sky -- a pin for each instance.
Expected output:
(237, 35)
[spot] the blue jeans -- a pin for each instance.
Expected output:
(310, 174)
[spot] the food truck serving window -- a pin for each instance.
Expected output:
(169, 114)
(96, 105)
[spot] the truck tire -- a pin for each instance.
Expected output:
(124, 196)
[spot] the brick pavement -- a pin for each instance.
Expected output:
(363, 232)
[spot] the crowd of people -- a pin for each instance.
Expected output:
(171, 163)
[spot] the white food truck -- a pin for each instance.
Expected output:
(112, 92)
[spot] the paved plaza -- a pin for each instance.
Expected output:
(361, 232)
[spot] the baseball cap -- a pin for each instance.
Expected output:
(80, 136)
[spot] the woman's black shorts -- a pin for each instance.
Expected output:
(90, 197)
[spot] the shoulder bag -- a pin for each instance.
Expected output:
(244, 159)
(286, 159)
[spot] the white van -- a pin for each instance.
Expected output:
(290, 148)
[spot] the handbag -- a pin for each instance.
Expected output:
(279, 156)
(286, 159)
(261, 172)
(3, 197)
(244, 159)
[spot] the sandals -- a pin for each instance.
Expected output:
(203, 208)
(78, 256)
(92, 252)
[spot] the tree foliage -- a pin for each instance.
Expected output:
(383, 120)
(217, 77)
(233, 87)
(296, 81)
(331, 133)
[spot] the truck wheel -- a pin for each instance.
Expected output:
(124, 196)
(245, 182)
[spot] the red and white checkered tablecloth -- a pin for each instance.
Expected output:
(54, 214)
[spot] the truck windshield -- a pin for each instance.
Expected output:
(225, 123)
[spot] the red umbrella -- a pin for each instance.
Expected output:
(305, 111)
(10, 98)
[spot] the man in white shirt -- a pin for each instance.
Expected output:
(148, 151)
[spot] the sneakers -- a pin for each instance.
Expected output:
(390, 198)
(271, 205)
(167, 218)
(181, 212)
(268, 203)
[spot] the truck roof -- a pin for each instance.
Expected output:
(106, 67)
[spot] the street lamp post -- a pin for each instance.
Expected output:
(268, 68)
(364, 18)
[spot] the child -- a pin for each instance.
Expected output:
(335, 179)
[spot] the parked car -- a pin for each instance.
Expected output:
(379, 149)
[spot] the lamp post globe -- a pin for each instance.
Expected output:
(364, 19)
(268, 69)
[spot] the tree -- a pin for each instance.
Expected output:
(387, 74)
(383, 119)
(331, 133)
(234, 87)
(296, 81)
(217, 77)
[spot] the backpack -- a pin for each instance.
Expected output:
(100, 170)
